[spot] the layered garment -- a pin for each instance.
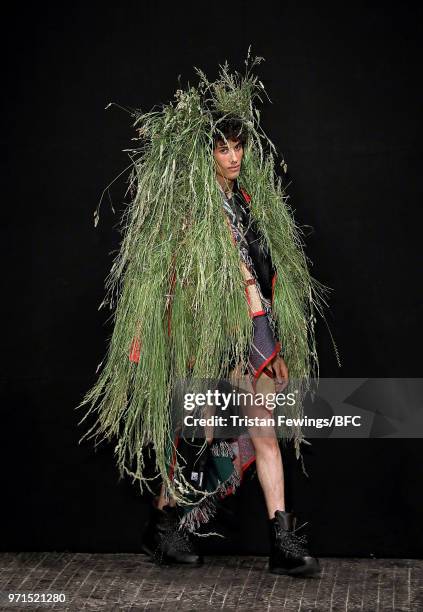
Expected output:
(177, 296)
(218, 468)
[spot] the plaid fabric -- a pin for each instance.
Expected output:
(264, 346)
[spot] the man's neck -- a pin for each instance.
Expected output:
(228, 185)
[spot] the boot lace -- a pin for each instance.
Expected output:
(292, 544)
(175, 538)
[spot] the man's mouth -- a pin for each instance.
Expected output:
(233, 168)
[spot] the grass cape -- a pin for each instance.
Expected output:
(174, 230)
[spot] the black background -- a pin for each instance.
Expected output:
(346, 100)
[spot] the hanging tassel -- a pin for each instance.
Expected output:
(134, 353)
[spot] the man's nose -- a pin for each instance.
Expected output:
(234, 157)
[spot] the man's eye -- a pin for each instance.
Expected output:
(223, 150)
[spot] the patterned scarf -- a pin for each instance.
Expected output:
(259, 276)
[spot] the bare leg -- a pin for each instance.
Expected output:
(268, 455)
(270, 472)
(163, 501)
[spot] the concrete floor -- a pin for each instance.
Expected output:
(132, 582)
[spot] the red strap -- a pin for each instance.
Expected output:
(247, 197)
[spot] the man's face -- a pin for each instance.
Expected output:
(228, 156)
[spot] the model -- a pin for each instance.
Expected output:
(210, 282)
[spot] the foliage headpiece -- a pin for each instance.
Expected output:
(175, 285)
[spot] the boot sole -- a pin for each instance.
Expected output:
(167, 561)
(307, 571)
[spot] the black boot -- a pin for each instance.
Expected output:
(165, 543)
(288, 552)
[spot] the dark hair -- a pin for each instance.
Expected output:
(232, 128)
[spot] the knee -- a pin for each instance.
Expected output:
(268, 445)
